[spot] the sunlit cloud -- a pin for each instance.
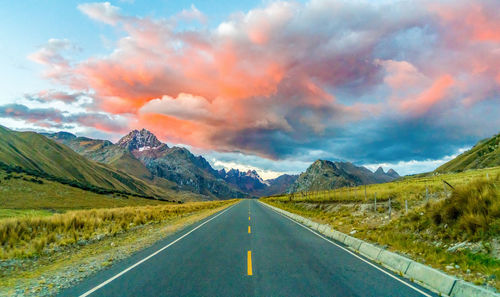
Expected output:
(371, 83)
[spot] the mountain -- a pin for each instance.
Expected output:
(486, 153)
(103, 151)
(140, 141)
(177, 164)
(392, 173)
(248, 182)
(277, 185)
(35, 153)
(141, 154)
(324, 175)
(382, 177)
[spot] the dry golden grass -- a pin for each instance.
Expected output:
(50, 272)
(472, 210)
(29, 236)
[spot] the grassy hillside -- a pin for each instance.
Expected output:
(103, 151)
(36, 153)
(20, 192)
(411, 188)
(453, 229)
(484, 154)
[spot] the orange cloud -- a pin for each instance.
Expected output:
(282, 74)
(430, 97)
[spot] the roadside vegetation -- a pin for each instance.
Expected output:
(453, 226)
(42, 255)
(24, 237)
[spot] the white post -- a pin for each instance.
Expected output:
(406, 206)
(375, 203)
(426, 194)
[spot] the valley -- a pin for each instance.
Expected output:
(91, 198)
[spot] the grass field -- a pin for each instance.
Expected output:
(12, 213)
(21, 191)
(59, 267)
(456, 230)
(30, 236)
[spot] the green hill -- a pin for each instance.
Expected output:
(103, 151)
(20, 192)
(36, 153)
(484, 154)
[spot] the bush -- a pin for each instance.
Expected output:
(471, 208)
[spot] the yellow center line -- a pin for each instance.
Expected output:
(249, 262)
(249, 218)
(249, 230)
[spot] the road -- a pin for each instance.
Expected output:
(246, 250)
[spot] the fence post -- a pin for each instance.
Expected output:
(375, 203)
(390, 209)
(365, 193)
(406, 206)
(426, 193)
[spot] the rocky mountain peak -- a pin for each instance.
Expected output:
(379, 171)
(139, 140)
(393, 173)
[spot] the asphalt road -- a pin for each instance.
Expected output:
(247, 250)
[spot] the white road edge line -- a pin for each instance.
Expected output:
(352, 253)
(149, 257)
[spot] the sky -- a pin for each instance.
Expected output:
(264, 85)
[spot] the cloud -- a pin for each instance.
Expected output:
(429, 97)
(362, 81)
(53, 95)
(185, 106)
(101, 11)
(51, 117)
(191, 14)
(50, 55)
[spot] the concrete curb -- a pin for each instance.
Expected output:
(433, 277)
(428, 277)
(463, 288)
(394, 261)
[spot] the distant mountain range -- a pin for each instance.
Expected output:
(142, 155)
(139, 163)
(326, 175)
(486, 153)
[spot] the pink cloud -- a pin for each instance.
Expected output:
(429, 97)
(286, 70)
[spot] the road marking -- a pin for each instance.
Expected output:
(249, 262)
(249, 218)
(352, 253)
(148, 257)
(249, 230)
